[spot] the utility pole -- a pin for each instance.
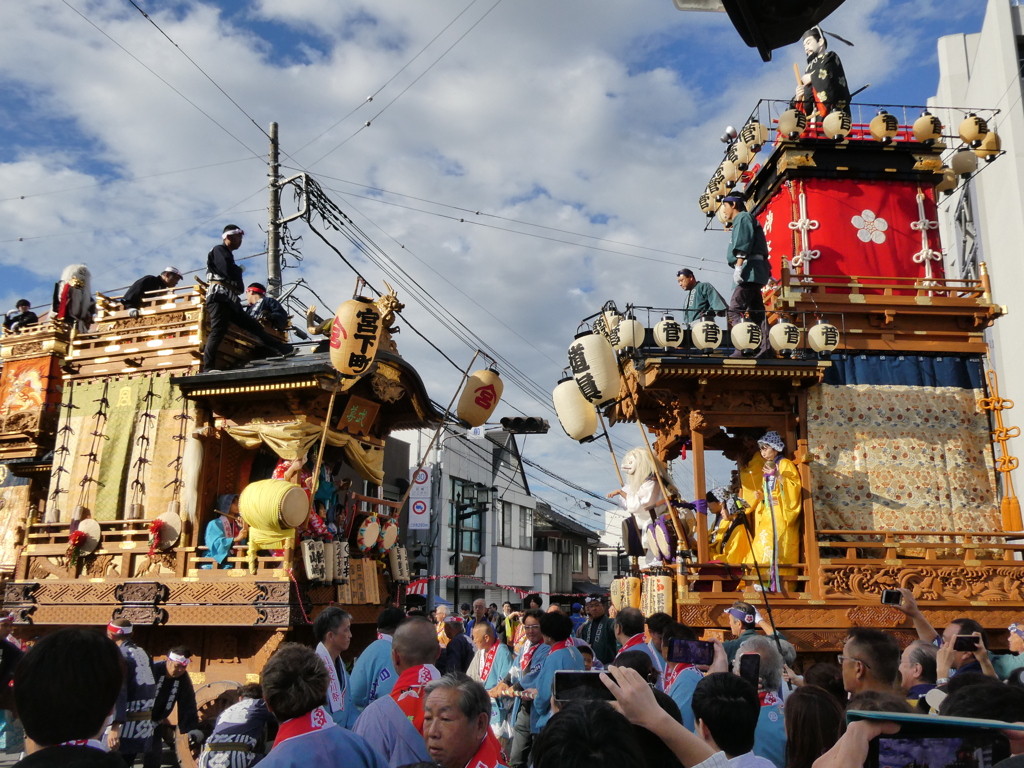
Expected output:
(274, 225)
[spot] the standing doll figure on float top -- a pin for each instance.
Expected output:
(823, 88)
(641, 496)
(777, 511)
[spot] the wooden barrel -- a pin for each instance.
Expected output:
(270, 504)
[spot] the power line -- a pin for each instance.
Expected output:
(410, 85)
(140, 62)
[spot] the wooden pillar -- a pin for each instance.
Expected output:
(699, 490)
(811, 553)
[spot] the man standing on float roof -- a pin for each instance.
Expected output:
(701, 298)
(824, 87)
(748, 256)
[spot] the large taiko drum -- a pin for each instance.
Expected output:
(365, 533)
(388, 535)
(270, 504)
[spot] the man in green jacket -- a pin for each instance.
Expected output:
(748, 256)
(701, 298)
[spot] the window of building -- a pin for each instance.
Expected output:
(525, 528)
(577, 558)
(470, 528)
(591, 558)
(603, 565)
(504, 511)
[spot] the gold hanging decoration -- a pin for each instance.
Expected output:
(1005, 463)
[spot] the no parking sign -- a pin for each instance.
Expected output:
(419, 501)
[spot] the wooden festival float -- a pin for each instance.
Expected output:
(876, 382)
(114, 450)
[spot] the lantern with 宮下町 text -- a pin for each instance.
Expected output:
(355, 337)
(479, 397)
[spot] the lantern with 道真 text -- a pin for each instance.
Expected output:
(480, 397)
(355, 336)
(823, 337)
(837, 125)
(990, 147)
(972, 130)
(754, 135)
(746, 335)
(927, 128)
(668, 334)
(963, 162)
(884, 126)
(593, 364)
(784, 336)
(575, 413)
(792, 123)
(706, 335)
(628, 334)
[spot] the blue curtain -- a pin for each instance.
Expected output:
(908, 370)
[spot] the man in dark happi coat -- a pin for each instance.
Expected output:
(173, 687)
(132, 727)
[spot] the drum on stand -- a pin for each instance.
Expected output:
(273, 504)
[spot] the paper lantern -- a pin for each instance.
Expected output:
(717, 185)
(884, 127)
(731, 172)
(668, 334)
(479, 397)
(837, 125)
(577, 416)
(593, 364)
(746, 335)
(792, 123)
(927, 128)
(744, 155)
(784, 336)
(708, 204)
(355, 336)
(754, 135)
(706, 335)
(963, 162)
(990, 147)
(824, 337)
(721, 213)
(605, 323)
(972, 130)
(949, 181)
(628, 334)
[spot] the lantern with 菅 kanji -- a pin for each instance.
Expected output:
(784, 336)
(927, 128)
(706, 335)
(479, 397)
(668, 334)
(990, 147)
(355, 336)
(629, 333)
(884, 127)
(972, 130)
(823, 337)
(792, 123)
(576, 415)
(837, 125)
(731, 172)
(746, 335)
(754, 135)
(708, 204)
(593, 364)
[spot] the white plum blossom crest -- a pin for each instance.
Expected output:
(870, 228)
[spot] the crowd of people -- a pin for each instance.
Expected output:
(489, 687)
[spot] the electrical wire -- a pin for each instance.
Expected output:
(140, 62)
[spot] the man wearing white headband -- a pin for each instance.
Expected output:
(132, 727)
(173, 687)
(222, 306)
(134, 296)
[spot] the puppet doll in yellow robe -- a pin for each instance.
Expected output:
(777, 507)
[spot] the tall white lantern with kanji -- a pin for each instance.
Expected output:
(355, 336)
(594, 367)
(575, 413)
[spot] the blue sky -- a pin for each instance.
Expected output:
(572, 138)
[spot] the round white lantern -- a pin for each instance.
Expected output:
(792, 123)
(594, 367)
(706, 335)
(731, 172)
(964, 162)
(576, 415)
(668, 334)
(884, 127)
(746, 335)
(990, 147)
(708, 204)
(480, 397)
(927, 128)
(754, 135)
(628, 334)
(784, 336)
(824, 337)
(948, 182)
(837, 125)
(972, 130)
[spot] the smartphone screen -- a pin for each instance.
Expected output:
(965, 643)
(891, 597)
(567, 680)
(698, 652)
(750, 668)
(978, 749)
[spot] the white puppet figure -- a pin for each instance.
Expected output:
(642, 492)
(72, 297)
